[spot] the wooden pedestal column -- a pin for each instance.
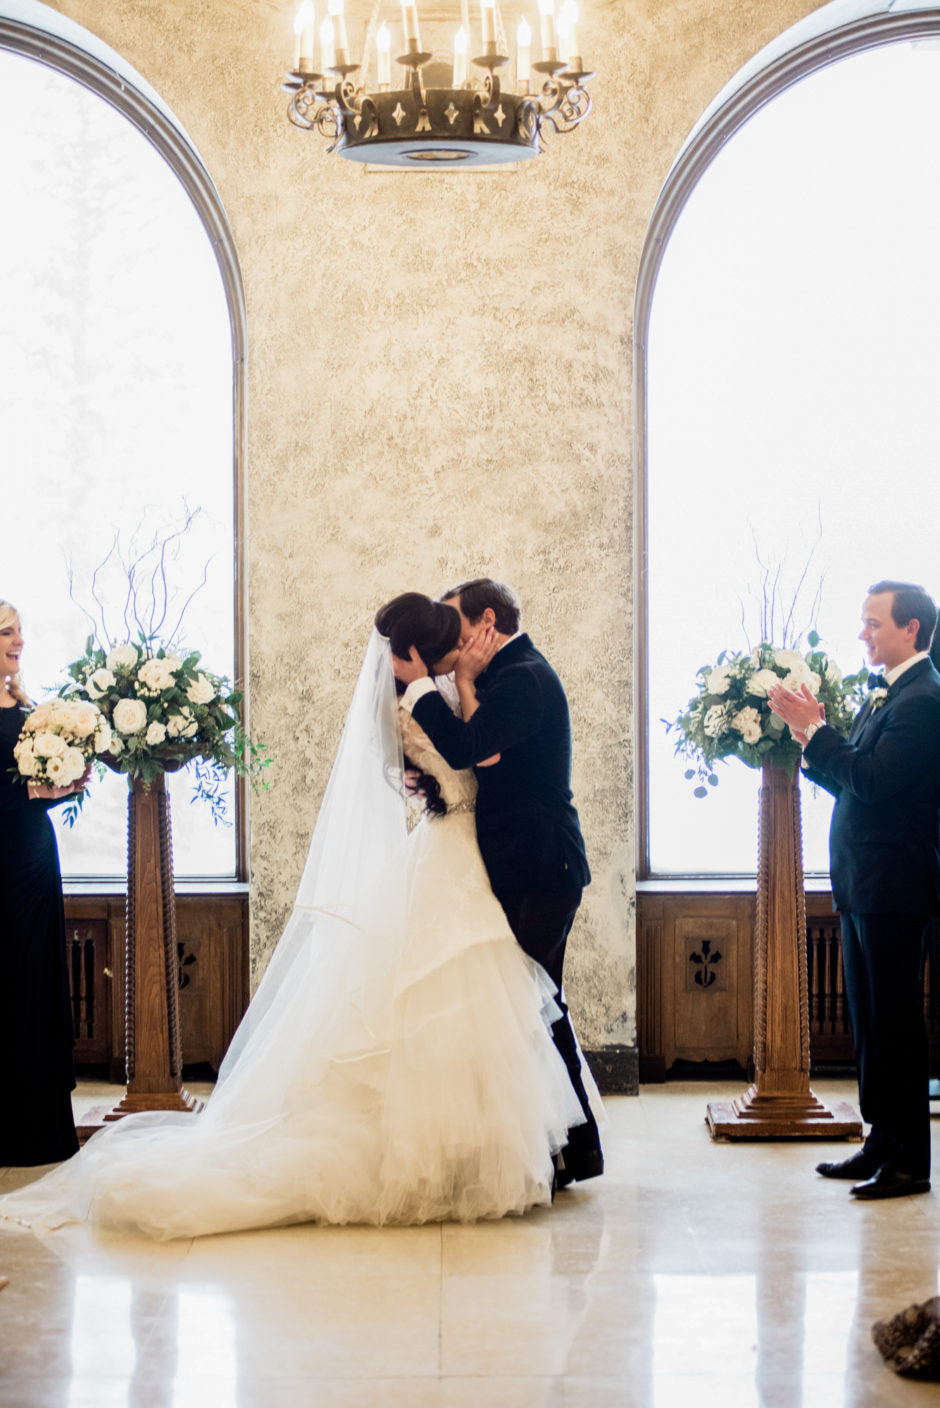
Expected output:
(154, 1063)
(780, 1103)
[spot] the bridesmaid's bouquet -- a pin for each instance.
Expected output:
(59, 739)
(730, 716)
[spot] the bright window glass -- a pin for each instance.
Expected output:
(792, 383)
(115, 407)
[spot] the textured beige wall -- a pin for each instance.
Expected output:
(439, 385)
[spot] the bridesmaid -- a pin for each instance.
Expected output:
(35, 1005)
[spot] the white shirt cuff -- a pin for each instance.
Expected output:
(415, 691)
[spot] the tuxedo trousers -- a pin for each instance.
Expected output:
(883, 961)
(541, 921)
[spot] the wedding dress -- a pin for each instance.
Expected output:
(395, 1065)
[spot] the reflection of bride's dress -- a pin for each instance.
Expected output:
(395, 1065)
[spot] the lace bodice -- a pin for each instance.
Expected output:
(456, 787)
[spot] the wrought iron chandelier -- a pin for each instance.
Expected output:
(425, 121)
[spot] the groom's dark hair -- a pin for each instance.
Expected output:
(482, 592)
(910, 603)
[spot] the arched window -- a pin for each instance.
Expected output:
(787, 308)
(121, 355)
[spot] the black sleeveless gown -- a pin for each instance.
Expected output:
(36, 1031)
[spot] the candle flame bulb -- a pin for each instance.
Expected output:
(337, 11)
(304, 29)
(383, 45)
(460, 58)
(327, 56)
(547, 27)
(524, 53)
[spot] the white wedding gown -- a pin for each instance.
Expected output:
(396, 1064)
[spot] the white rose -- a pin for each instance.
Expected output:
(202, 691)
(39, 717)
(74, 764)
(748, 725)
(26, 764)
(98, 682)
(49, 745)
(123, 657)
(130, 715)
(84, 720)
(156, 733)
(156, 675)
(181, 725)
(799, 676)
(788, 659)
(761, 681)
(115, 746)
(56, 771)
(718, 680)
(714, 722)
(173, 660)
(102, 737)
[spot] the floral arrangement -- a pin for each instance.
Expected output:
(162, 710)
(59, 739)
(730, 716)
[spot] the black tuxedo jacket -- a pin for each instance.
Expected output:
(527, 826)
(884, 841)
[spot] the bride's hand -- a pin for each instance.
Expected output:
(411, 669)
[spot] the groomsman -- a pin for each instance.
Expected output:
(884, 845)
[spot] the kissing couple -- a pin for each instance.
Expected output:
(408, 1056)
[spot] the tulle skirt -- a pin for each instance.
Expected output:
(395, 1077)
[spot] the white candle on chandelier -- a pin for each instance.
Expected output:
(338, 16)
(569, 18)
(304, 30)
(383, 46)
(327, 56)
(409, 18)
(523, 52)
(488, 21)
(460, 58)
(547, 24)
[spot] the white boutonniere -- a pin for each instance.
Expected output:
(877, 697)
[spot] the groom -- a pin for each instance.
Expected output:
(527, 827)
(885, 867)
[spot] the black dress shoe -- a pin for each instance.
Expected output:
(575, 1168)
(891, 1182)
(860, 1165)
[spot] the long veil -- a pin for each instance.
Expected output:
(253, 1157)
(359, 830)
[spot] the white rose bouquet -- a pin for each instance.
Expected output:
(163, 711)
(729, 716)
(58, 740)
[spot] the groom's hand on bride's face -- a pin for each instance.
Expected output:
(476, 653)
(411, 669)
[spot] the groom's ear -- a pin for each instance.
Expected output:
(488, 618)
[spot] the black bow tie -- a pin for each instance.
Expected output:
(876, 682)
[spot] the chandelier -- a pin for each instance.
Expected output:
(439, 114)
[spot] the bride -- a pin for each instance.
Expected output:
(396, 1063)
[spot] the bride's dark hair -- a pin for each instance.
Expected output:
(434, 630)
(415, 620)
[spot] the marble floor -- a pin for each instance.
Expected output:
(693, 1274)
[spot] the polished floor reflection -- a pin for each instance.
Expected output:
(693, 1274)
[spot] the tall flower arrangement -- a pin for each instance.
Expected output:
(729, 715)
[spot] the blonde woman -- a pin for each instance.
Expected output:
(35, 1005)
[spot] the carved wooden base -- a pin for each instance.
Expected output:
(99, 1115)
(795, 1115)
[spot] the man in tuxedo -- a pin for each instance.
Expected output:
(527, 827)
(884, 845)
